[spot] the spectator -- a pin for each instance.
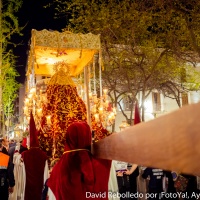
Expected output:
(155, 182)
(45, 192)
(7, 181)
(5, 143)
(170, 184)
(122, 178)
(191, 186)
(126, 178)
(12, 143)
(133, 172)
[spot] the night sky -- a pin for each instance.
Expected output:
(33, 15)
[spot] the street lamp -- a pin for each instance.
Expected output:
(18, 132)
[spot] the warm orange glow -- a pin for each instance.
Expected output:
(48, 118)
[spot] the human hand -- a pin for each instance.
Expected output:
(128, 172)
(120, 173)
(11, 189)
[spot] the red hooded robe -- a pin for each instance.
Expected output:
(78, 175)
(34, 160)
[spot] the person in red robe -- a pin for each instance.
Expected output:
(78, 175)
(35, 166)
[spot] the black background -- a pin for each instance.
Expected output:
(33, 15)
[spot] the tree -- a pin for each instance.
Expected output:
(155, 42)
(147, 69)
(8, 84)
(174, 24)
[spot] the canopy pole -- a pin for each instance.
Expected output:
(94, 76)
(100, 74)
(86, 80)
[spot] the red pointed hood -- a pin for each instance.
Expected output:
(33, 132)
(137, 115)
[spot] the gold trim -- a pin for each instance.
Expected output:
(75, 150)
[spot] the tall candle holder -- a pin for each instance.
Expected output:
(104, 114)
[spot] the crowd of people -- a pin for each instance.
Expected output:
(153, 183)
(77, 175)
(74, 176)
(7, 165)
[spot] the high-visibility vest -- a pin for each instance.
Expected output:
(4, 159)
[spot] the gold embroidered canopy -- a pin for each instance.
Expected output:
(49, 47)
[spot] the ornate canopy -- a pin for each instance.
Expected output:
(50, 47)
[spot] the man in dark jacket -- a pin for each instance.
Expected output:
(7, 181)
(155, 182)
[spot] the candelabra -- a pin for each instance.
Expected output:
(104, 114)
(34, 102)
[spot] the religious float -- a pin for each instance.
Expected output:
(62, 87)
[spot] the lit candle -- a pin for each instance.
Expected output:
(48, 117)
(94, 110)
(112, 115)
(105, 91)
(96, 116)
(40, 91)
(101, 109)
(43, 98)
(90, 95)
(26, 102)
(39, 112)
(25, 110)
(95, 98)
(109, 117)
(106, 103)
(33, 90)
(30, 96)
(82, 93)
